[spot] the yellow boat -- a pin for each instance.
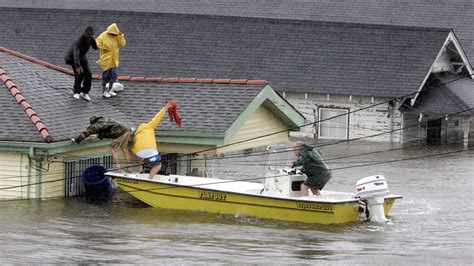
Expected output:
(276, 198)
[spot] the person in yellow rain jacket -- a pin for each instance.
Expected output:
(144, 142)
(109, 43)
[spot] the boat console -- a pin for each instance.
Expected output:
(283, 182)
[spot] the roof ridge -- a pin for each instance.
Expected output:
(32, 115)
(139, 78)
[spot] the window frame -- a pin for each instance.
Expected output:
(320, 110)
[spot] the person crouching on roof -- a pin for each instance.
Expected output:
(108, 128)
(144, 142)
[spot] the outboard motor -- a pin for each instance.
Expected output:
(373, 189)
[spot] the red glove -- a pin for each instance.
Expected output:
(173, 113)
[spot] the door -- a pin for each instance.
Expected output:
(433, 132)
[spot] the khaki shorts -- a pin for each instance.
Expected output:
(122, 141)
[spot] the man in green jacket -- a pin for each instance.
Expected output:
(111, 129)
(314, 167)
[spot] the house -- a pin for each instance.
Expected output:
(324, 68)
(442, 112)
(39, 117)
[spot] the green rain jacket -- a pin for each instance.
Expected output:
(313, 165)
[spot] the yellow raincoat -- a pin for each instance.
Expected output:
(144, 137)
(109, 47)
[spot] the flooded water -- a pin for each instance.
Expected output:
(432, 224)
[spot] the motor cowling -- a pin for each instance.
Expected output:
(373, 189)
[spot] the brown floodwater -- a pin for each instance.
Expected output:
(432, 224)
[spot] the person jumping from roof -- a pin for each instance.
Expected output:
(144, 140)
(109, 43)
(111, 129)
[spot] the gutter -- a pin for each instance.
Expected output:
(40, 148)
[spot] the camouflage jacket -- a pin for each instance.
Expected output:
(104, 128)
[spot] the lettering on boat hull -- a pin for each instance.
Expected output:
(212, 195)
(309, 206)
(126, 181)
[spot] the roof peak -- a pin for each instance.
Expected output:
(196, 80)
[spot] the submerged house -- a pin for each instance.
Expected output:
(352, 77)
(39, 117)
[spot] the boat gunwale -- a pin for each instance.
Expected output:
(308, 200)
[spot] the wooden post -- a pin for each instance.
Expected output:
(446, 129)
(466, 131)
(205, 166)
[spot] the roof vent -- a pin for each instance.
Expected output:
(442, 63)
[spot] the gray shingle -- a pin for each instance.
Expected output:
(293, 55)
(204, 108)
(15, 124)
(453, 14)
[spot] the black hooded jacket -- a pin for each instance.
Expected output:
(78, 50)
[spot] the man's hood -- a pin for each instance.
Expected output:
(113, 29)
(306, 147)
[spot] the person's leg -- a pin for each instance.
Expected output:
(141, 168)
(124, 147)
(115, 144)
(127, 158)
(154, 170)
(304, 190)
(87, 77)
(105, 80)
(113, 78)
(116, 158)
(316, 191)
(77, 80)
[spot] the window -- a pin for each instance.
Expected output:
(74, 168)
(169, 163)
(334, 123)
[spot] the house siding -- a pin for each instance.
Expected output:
(14, 173)
(261, 122)
(52, 179)
(53, 172)
(365, 123)
(454, 130)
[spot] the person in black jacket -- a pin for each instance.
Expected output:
(76, 57)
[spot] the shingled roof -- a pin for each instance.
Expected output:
(446, 96)
(453, 14)
(46, 105)
(293, 55)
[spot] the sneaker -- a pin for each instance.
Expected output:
(106, 94)
(112, 93)
(76, 96)
(85, 96)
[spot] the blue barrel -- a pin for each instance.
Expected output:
(97, 185)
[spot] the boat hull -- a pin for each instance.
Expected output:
(174, 196)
